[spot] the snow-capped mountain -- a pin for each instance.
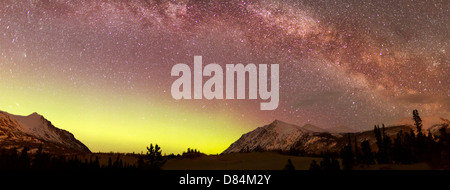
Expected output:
(275, 136)
(309, 139)
(34, 130)
(281, 136)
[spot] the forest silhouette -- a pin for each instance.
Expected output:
(406, 147)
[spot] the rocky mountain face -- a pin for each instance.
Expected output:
(311, 140)
(281, 136)
(33, 131)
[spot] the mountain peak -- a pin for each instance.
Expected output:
(278, 122)
(35, 115)
(282, 127)
(312, 128)
(34, 130)
(278, 135)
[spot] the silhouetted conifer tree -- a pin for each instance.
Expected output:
(387, 144)
(357, 152)
(24, 159)
(417, 122)
(335, 164)
(110, 165)
(289, 165)
(154, 159)
(367, 155)
(325, 164)
(347, 155)
(314, 165)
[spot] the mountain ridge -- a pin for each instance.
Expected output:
(285, 137)
(35, 130)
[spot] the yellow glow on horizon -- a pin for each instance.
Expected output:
(121, 122)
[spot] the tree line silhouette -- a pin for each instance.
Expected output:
(192, 153)
(406, 148)
(11, 159)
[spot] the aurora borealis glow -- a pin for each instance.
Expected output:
(101, 69)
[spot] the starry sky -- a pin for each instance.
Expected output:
(101, 69)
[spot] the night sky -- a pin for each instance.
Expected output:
(101, 69)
